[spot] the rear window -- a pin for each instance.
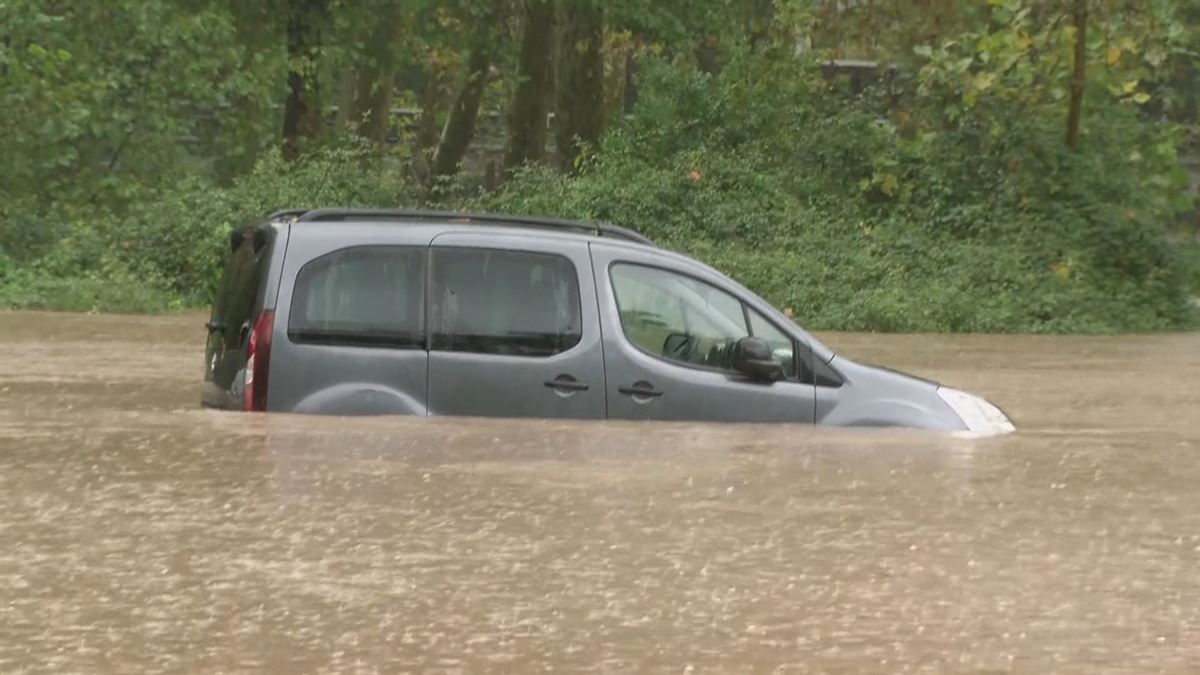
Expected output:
(517, 303)
(369, 296)
(243, 277)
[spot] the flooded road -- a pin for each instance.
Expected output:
(139, 533)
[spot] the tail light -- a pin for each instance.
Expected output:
(259, 360)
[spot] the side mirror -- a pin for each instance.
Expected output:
(753, 358)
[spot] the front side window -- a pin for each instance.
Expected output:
(782, 346)
(370, 295)
(515, 303)
(676, 317)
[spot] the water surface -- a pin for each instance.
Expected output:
(139, 533)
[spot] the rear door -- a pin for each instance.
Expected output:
(349, 324)
(514, 330)
(239, 298)
(669, 328)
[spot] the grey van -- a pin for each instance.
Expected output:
(353, 312)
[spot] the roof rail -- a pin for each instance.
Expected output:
(286, 214)
(333, 215)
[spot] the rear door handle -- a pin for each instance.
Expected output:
(566, 383)
(640, 390)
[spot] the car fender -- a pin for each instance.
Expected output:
(890, 412)
(881, 397)
(357, 398)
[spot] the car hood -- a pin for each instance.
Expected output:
(876, 396)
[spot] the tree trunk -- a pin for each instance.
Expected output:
(617, 60)
(759, 14)
(527, 115)
(347, 87)
(376, 76)
(707, 54)
(374, 106)
(460, 122)
(579, 114)
(427, 129)
(301, 109)
(1078, 74)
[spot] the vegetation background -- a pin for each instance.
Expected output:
(927, 165)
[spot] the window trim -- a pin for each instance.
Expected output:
(417, 340)
(838, 378)
(792, 378)
(429, 271)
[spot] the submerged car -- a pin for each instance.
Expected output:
(353, 312)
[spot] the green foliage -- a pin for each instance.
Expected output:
(1021, 55)
(168, 249)
(112, 288)
(138, 132)
(836, 214)
(1188, 256)
(187, 228)
(86, 122)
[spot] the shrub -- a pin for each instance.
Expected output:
(169, 247)
(858, 226)
(824, 204)
(110, 286)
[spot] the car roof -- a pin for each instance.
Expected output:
(553, 228)
(454, 218)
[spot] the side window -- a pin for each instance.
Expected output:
(369, 296)
(781, 345)
(677, 317)
(516, 303)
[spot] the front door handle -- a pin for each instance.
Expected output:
(640, 390)
(566, 383)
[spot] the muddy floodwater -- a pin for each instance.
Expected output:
(139, 533)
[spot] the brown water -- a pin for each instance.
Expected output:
(139, 533)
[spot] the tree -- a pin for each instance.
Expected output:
(460, 122)
(527, 113)
(375, 73)
(101, 98)
(301, 110)
(758, 16)
(579, 113)
(1079, 15)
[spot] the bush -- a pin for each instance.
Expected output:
(188, 228)
(110, 286)
(858, 226)
(169, 247)
(829, 206)
(1188, 256)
